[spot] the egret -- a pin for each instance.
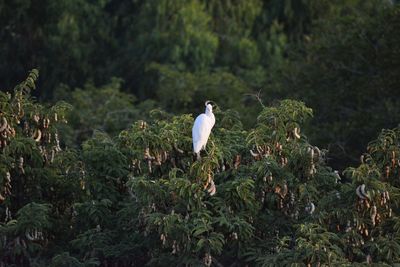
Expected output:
(202, 129)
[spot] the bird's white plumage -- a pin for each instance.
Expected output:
(202, 129)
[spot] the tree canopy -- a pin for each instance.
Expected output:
(96, 162)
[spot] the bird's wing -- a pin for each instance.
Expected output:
(200, 132)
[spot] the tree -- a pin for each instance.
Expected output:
(104, 108)
(346, 74)
(36, 186)
(64, 39)
(179, 91)
(263, 197)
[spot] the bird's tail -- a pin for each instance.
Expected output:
(196, 147)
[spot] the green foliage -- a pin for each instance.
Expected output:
(263, 196)
(179, 91)
(176, 32)
(337, 56)
(106, 109)
(118, 185)
(65, 260)
(32, 189)
(68, 34)
(348, 78)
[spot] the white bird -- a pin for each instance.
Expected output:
(202, 129)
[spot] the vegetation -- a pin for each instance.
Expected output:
(141, 198)
(97, 169)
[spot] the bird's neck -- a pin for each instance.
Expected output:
(209, 113)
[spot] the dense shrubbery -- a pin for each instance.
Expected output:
(110, 178)
(139, 197)
(339, 57)
(349, 77)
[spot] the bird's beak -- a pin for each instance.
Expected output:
(207, 102)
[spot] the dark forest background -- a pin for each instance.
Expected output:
(340, 57)
(97, 104)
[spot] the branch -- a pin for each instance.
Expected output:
(257, 97)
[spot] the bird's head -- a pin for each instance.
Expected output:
(209, 107)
